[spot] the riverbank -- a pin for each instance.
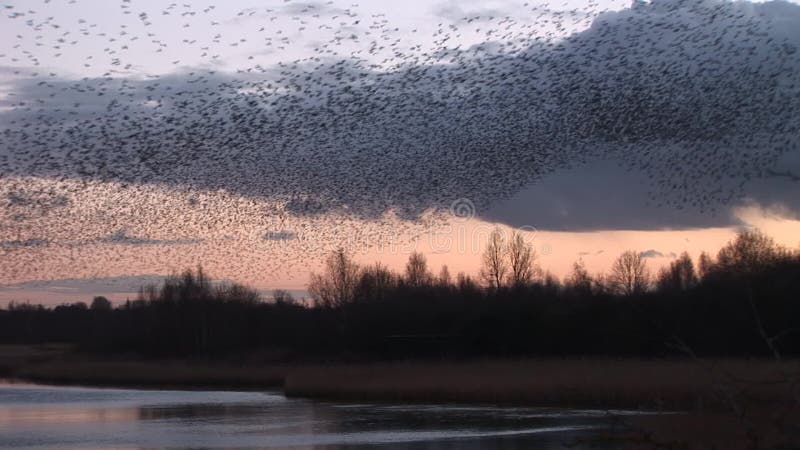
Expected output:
(605, 383)
(721, 402)
(56, 364)
(653, 384)
(730, 404)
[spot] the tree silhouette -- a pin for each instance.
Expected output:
(444, 279)
(336, 286)
(372, 312)
(704, 265)
(100, 303)
(282, 297)
(417, 274)
(579, 282)
(629, 274)
(521, 257)
(376, 282)
(749, 252)
(679, 276)
(494, 268)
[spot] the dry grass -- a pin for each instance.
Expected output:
(758, 388)
(724, 404)
(60, 365)
(604, 383)
(160, 374)
(706, 431)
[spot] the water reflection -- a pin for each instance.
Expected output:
(43, 417)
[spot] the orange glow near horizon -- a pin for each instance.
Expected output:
(458, 245)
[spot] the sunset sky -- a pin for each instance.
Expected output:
(73, 225)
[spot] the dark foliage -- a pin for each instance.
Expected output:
(747, 303)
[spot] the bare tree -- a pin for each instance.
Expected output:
(100, 303)
(679, 276)
(579, 281)
(417, 270)
(704, 265)
(629, 274)
(444, 279)
(749, 252)
(337, 285)
(283, 297)
(521, 257)
(376, 281)
(550, 283)
(494, 267)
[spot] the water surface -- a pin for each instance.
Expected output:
(47, 417)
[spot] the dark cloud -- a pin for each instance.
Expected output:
(23, 244)
(282, 235)
(88, 286)
(697, 100)
(652, 253)
(122, 237)
(23, 202)
(604, 194)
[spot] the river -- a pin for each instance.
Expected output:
(54, 417)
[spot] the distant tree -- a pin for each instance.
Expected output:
(467, 287)
(149, 293)
(444, 279)
(282, 297)
(602, 284)
(417, 270)
(188, 286)
(494, 267)
(551, 284)
(679, 276)
(26, 307)
(74, 307)
(749, 252)
(629, 274)
(100, 303)
(579, 281)
(704, 265)
(238, 293)
(375, 282)
(336, 286)
(521, 257)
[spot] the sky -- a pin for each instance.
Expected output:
(142, 137)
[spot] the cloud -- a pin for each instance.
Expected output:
(309, 8)
(455, 11)
(122, 237)
(56, 291)
(282, 235)
(652, 253)
(692, 101)
(26, 202)
(604, 194)
(88, 286)
(22, 244)
(312, 8)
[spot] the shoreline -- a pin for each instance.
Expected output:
(658, 387)
(609, 383)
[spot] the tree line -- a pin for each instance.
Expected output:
(745, 301)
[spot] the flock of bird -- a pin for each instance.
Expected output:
(377, 130)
